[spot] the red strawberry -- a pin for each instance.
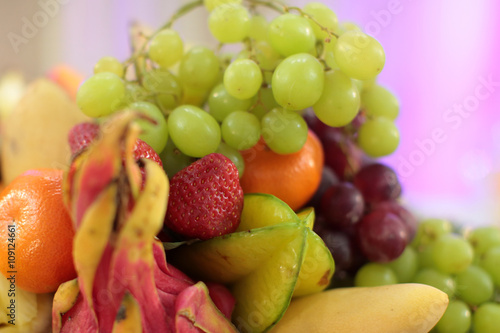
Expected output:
(81, 135)
(143, 150)
(205, 199)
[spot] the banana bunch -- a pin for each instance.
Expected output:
(23, 311)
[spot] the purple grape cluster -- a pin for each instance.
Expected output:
(358, 210)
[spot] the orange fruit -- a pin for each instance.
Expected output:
(294, 178)
(66, 77)
(34, 218)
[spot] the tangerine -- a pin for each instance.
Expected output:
(294, 178)
(36, 232)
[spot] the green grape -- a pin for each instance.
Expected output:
(298, 81)
(243, 78)
(284, 131)
(490, 262)
(441, 281)
(456, 319)
(166, 48)
(484, 238)
(374, 274)
(339, 103)
(258, 28)
(358, 55)
(425, 257)
(328, 52)
(358, 84)
(266, 56)
(101, 94)
(474, 285)
(173, 159)
(486, 318)
(229, 23)
(211, 4)
(234, 155)
(452, 254)
(429, 230)
(405, 266)
(367, 84)
(264, 102)
(379, 102)
(321, 15)
(164, 88)
(154, 134)
(194, 96)
(221, 103)
(134, 92)
(199, 68)
(291, 34)
(346, 26)
(241, 130)
(194, 131)
(109, 65)
(378, 136)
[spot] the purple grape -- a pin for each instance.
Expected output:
(339, 245)
(382, 236)
(344, 249)
(342, 205)
(405, 215)
(328, 178)
(377, 182)
(316, 125)
(358, 120)
(342, 154)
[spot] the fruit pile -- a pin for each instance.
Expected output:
(232, 189)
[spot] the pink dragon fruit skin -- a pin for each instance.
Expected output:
(195, 312)
(121, 266)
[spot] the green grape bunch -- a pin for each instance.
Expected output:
(462, 262)
(271, 62)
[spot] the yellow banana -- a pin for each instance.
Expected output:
(398, 308)
(30, 317)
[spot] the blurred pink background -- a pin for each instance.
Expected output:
(442, 63)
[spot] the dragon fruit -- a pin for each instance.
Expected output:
(124, 282)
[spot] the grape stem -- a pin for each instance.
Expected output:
(279, 7)
(136, 54)
(282, 8)
(307, 16)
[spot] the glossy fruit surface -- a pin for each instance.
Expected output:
(293, 177)
(35, 219)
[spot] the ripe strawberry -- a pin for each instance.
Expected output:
(81, 135)
(206, 198)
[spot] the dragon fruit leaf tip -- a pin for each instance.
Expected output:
(195, 310)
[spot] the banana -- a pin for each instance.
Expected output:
(399, 308)
(30, 136)
(30, 317)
